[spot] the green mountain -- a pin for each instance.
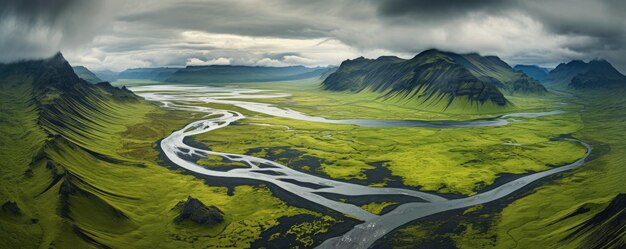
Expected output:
(157, 74)
(534, 71)
(434, 77)
(87, 75)
(227, 73)
(579, 74)
(51, 124)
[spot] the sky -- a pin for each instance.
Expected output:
(117, 34)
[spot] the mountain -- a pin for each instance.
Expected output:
(328, 72)
(534, 71)
(87, 75)
(228, 73)
(156, 74)
(580, 74)
(52, 125)
(107, 75)
(433, 77)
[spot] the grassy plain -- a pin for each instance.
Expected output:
(456, 161)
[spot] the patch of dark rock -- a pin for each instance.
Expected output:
(194, 210)
(11, 208)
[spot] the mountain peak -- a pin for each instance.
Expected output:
(579, 74)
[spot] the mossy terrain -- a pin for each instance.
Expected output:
(82, 171)
(456, 161)
(578, 209)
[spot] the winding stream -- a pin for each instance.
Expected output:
(375, 226)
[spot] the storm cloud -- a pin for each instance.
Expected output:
(117, 34)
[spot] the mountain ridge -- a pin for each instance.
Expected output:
(534, 71)
(579, 74)
(434, 75)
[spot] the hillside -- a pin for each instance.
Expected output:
(580, 74)
(226, 74)
(50, 121)
(534, 71)
(434, 77)
(87, 75)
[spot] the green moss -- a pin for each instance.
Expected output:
(303, 231)
(377, 207)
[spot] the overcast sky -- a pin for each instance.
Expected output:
(116, 34)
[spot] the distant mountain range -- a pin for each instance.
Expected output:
(534, 71)
(227, 73)
(216, 74)
(156, 74)
(433, 77)
(580, 74)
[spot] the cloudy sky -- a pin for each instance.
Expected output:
(117, 34)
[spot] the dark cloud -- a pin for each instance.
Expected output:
(38, 28)
(234, 17)
(37, 10)
(438, 9)
(117, 33)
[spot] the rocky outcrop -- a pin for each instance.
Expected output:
(194, 210)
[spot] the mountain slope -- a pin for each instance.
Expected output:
(579, 74)
(534, 71)
(47, 114)
(225, 74)
(434, 77)
(87, 75)
(606, 229)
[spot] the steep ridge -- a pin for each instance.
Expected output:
(579, 74)
(534, 71)
(605, 229)
(434, 76)
(85, 74)
(59, 115)
(227, 73)
(495, 71)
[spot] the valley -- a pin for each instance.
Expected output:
(344, 124)
(333, 169)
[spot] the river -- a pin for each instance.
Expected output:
(309, 187)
